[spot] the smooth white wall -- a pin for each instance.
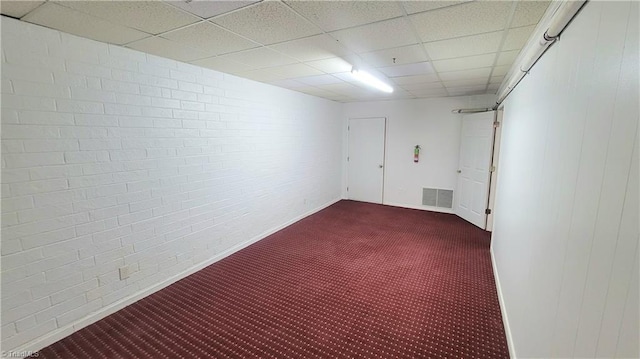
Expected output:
(565, 240)
(112, 157)
(425, 122)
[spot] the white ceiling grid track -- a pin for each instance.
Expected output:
(422, 48)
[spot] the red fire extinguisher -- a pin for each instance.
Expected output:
(416, 154)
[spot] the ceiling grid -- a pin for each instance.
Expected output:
(422, 48)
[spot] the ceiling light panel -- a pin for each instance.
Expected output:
(419, 68)
(18, 9)
(312, 48)
(215, 39)
(76, 23)
(381, 35)
(331, 66)
(268, 22)
(260, 58)
(464, 46)
(464, 63)
(166, 48)
(336, 15)
(462, 20)
(153, 17)
(529, 13)
(396, 56)
(208, 8)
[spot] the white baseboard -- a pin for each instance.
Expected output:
(67, 330)
(505, 318)
(422, 208)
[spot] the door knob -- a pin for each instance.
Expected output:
(459, 171)
(380, 166)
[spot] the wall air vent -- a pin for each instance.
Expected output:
(436, 197)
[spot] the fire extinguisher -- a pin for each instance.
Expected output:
(416, 154)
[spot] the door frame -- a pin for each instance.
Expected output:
(384, 151)
(495, 162)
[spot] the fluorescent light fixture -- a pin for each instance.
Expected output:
(370, 80)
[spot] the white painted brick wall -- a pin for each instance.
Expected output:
(113, 157)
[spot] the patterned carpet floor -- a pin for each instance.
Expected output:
(355, 280)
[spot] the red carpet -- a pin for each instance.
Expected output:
(354, 280)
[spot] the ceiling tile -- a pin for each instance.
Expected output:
(335, 15)
(493, 87)
(529, 12)
(340, 88)
(466, 82)
(166, 48)
(507, 57)
(464, 63)
(381, 35)
(464, 46)
(402, 55)
(262, 75)
(260, 58)
(413, 7)
(210, 38)
(267, 23)
(406, 80)
(153, 17)
(462, 20)
(297, 70)
(314, 91)
(500, 70)
(18, 9)
(496, 79)
(331, 66)
(312, 48)
(222, 64)
(517, 37)
(288, 83)
(76, 23)
(423, 86)
(425, 93)
(465, 74)
(209, 8)
(469, 90)
(418, 68)
(319, 80)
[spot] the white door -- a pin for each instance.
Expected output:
(473, 170)
(366, 159)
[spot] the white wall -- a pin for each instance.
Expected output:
(111, 158)
(425, 122)
(565, 240)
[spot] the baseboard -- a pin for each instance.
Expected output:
(65, 331)
(422, 208)
(505, 318)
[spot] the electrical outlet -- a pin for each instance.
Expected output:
(124, 273)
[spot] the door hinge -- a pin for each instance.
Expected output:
(487, 211)
(496, 124)
(347, 159)
(347, 189)
(348, 128)
(492, 169)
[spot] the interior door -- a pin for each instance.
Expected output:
(366, 159)
(473, 170)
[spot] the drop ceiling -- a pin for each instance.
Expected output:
(422, 48)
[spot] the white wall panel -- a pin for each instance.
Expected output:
(112, 157)
(563, 250)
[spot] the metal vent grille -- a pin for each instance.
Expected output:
(436, 197)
